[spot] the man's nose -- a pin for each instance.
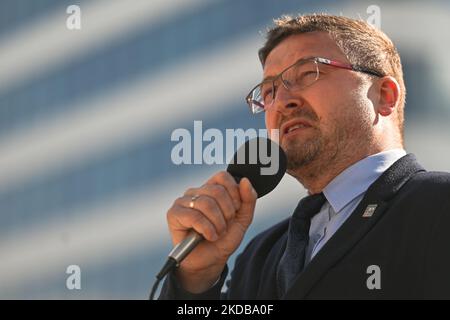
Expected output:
(284, 101)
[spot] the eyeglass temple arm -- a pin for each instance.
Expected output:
(349, 66)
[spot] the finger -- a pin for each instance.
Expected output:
(225, 179)
(183, 219)
(209, 208)
(248, 196)
(220, 194)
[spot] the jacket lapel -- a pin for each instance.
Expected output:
(364, 218)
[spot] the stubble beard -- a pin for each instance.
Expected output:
(301, 153)
(321, 150)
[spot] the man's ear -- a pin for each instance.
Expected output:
(389, 92)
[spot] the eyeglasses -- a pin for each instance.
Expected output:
(300, 75)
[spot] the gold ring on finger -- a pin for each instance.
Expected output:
(192, 202)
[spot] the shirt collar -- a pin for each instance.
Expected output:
(357, 178)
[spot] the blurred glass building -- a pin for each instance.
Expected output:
(86, 118)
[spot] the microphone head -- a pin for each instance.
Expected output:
(262, 161)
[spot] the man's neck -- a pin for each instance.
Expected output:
(316, 175)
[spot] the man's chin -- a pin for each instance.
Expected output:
(295, 163)
(300, 155)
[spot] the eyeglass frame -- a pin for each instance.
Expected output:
(325, 61)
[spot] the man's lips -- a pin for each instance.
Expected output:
(294, 125)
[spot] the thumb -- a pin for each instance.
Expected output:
(248, 202)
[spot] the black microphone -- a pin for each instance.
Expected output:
(263, 162)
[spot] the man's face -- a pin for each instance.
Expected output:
(335, 112)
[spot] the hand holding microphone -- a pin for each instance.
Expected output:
(221, 213)
(207, 224)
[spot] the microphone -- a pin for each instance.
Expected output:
(260, 160)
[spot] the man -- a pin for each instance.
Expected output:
(334, 88)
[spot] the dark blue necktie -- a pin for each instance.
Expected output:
(293, 259)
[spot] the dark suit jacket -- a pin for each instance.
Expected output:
(407, 237)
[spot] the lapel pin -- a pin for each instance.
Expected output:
(369, 210)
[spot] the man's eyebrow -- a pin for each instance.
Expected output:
(268, 78)
(273, 77)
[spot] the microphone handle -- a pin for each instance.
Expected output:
(181, 250)
(178, 253)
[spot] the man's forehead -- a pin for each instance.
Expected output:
(295, 47)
